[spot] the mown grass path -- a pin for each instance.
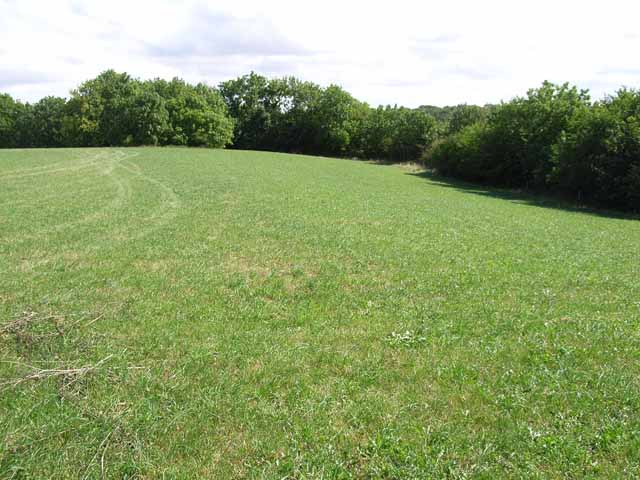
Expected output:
(229, 314)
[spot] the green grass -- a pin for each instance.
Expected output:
(262, 315)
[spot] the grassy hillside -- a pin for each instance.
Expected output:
(227, 314)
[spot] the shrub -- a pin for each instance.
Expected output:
(598, 159)
(522, 133)
(460, 155)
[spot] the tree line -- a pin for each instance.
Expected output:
(114, 109)
(289, 115)
(554, 138)
(250, 112)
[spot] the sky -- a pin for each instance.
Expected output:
(400, 52)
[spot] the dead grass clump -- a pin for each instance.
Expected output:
(411, 167)
(68, 376)
(31, 328)
(41, 346)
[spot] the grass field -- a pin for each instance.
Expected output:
(177, 313)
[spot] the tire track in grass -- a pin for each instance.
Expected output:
(58, 167)
(34, 185)
(25, 194)
(75, 155)
(122, 197)
(169, 202)
(44, 199)
(167, 209)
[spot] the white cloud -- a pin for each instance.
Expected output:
(403, 52)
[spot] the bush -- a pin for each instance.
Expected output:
(515, 146)
(465, 115)
(523, 132)
(553, 139)
(598, 160)
(47, 126)
(10, 111)
(396, 134)
(460, 155)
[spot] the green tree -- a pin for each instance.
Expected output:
(335, 117)
(465, 115)
(47, 122)
(197, 114)
(149, 118)
(598, 159)
(255, 105)
(397, 133)
(523, 132)
(9, 111)
(103, 107)
(295, 130)
(461, 155)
